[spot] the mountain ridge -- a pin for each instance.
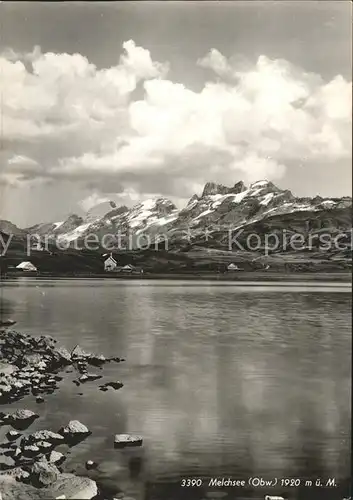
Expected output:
(206, 221)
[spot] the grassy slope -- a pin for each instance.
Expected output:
(193, 259)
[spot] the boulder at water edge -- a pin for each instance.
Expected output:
(21, 419)
(74, 432)
(66, 486)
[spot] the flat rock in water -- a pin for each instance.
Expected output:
(23, 415)
(117, 359)
(114, 385)
(45, 435)
(88, 377)
(96, 360)
(7, 322)
(78, 353)
(30, 450)
(124, 440)
(21, 419)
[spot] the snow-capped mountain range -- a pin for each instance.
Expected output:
(260, 208)
(219, 209)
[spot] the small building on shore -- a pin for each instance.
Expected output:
(128, 268)
(110, 264)
(26, 266)
(233, 267)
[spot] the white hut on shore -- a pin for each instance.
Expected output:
(110, 264)
(26, 266)
(233, 267)
(128, 268)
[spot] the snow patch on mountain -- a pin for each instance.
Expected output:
(100, 210)
(266, 200)
(75, 233)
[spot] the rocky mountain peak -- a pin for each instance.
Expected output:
(9, 228)
(193, 199)
(73, 218)
(239, 187)
(211, 188)
(100, 210)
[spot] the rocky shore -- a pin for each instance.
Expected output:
(30, 465)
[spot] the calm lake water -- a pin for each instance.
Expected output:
(221, 380)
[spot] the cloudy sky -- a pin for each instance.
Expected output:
(133, 100)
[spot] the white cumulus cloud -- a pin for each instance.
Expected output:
(245, 123)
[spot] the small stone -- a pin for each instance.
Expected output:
(116, 359)
(96, 360)
(32, 359)
(56, 457)
(12, 435)
(91, 465)
(30, 450)
(18, 385)
(6, 388)
(39, 399)
(78, 353)
(114, 385)
(62, 356)
(44, 446)
(89, 377)
(6, 462)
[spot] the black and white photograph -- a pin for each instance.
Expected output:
(175, 250)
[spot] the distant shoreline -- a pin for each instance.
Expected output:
(345, 277)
